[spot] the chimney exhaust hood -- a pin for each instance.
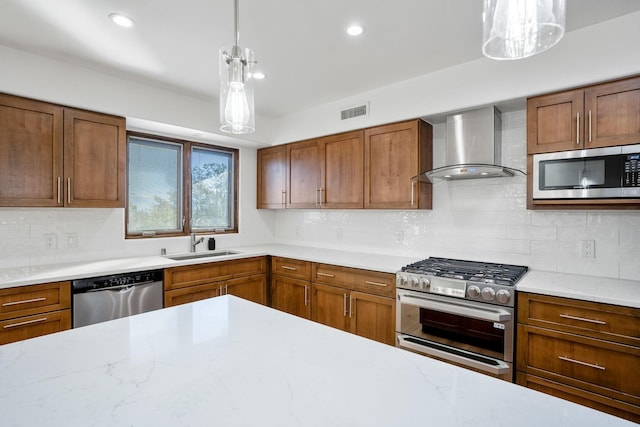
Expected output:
(473, 147)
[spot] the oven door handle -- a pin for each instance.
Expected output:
(496, 315)
(492, 366)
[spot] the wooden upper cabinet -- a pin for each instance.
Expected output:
(55, 156)
(555, 122)
(602, 115)
(613, 113)
(304, 174)
(342, 169)
(394, 154)
(272, 178)
(95, 148)
(31, 135)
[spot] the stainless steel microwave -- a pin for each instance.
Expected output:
(598, 173)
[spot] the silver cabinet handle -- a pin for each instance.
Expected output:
(26, 301)
(306, 295)
(577, 128)
(59, 188)
(582, 319)
(321, 197)
(344, 304)
(226, 289)
(413, 185)
(590, 365)
(324, 274)
(284, 197)
(28, 322)
(69, 189)
(350, 306)
(317, 192)
(589, 125)
(375, 283)
(286, 267)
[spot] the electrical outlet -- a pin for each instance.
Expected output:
(297, 231)
(339, 233)
(399, 237)
(588, 249)
(72, 240)
(50, 241)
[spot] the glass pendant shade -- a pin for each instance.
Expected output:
(515, 29)
(236, 90)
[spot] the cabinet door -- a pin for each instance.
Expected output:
(291, 296)
(373, 317)
(31, 136)
(613, 114)
(192, 294)
(330, 306)
(252, 288)
(555, 122)
(272, 178)
(304, 175)
(94, 159)
(394, 154)
(342, 165)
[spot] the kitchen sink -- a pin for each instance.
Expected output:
(201, 255)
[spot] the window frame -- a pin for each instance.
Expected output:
(186, 194)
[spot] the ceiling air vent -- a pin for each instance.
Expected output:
(353, 112)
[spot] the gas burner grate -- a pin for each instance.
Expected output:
(475, 271)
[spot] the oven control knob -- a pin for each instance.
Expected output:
(488, 294)
(473, 291)
(503, 296)
(424, 284)
(413, 282)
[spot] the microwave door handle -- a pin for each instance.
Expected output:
(452, 308)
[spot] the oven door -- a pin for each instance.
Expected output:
(471, 334)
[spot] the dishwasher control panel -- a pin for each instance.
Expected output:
(125, 279)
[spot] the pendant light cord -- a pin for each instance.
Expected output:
(237, 22)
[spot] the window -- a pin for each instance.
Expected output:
(177, 187)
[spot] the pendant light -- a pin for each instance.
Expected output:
(515, 29)
(236, 86)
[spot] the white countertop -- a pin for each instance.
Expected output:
(589, 288)
(228, 362)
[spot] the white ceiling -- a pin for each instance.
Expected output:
(300, 44)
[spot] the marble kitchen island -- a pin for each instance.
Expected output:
(228, 362)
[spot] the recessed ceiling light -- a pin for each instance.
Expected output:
(258, 75)
(121, 20)
(355, 29)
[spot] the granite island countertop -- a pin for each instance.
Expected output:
(228, 362)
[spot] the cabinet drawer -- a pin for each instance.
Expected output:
(372, 282)
(291, 268)
(598, 366)
(34, 299)
(199, 274)
(26, 327)
(603, 321)
(582, 397)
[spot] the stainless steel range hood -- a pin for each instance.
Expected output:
(473, 147)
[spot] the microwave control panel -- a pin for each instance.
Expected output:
(631, 177)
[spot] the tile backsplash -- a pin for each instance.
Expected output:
(482, 219)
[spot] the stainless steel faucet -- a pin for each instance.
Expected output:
(195, 242)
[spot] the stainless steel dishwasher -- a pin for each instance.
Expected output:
(99, 299)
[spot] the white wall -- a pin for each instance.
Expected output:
(100, 232)
(482, 219)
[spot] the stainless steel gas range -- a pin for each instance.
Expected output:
(459, 311)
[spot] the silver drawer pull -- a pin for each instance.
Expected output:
(286, 267)
(325, 274)
(375, 283)
(590, 365)
(582, 319)
(28, 322)
(26, 301)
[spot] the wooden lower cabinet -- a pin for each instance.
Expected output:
(330, 306)
(581, 351)
(35, 310)
(244, 278)
(373, 317)
(291, 296)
